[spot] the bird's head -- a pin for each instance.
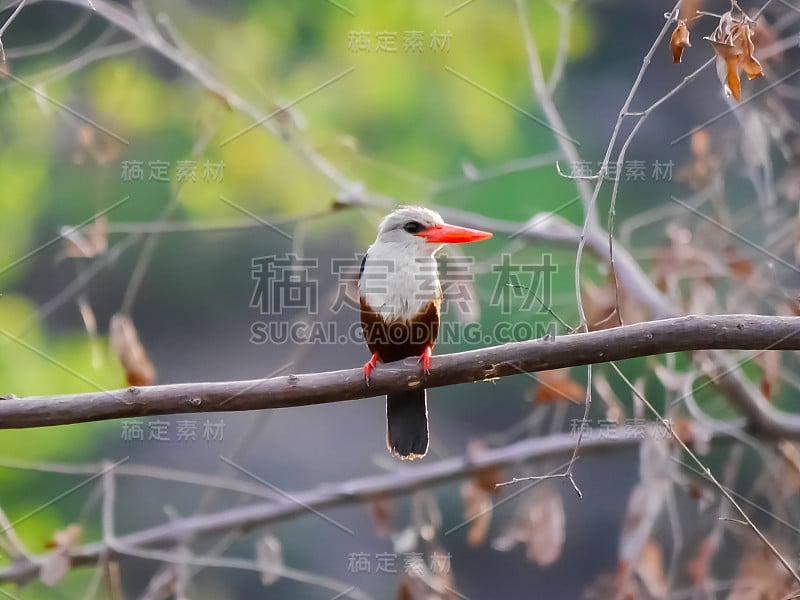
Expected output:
(422, 231)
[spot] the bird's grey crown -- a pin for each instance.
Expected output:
(400, 216)
(398, 277)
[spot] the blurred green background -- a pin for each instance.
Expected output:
(399, 124)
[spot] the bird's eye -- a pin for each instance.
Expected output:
(413, 227)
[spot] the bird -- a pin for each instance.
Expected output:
(400, 299)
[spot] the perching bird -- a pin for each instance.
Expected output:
(400, 298)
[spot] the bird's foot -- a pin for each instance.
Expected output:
(425, 359)
(369, 365)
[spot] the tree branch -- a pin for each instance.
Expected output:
(626, 269)
(402, 480)
(731, 332)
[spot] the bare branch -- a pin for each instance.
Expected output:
(399, 481)
(742, 332)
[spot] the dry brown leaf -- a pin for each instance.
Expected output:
(557, 386)
(89, 320)
(701, 493)
(700, 564)
(682, 427)
(791, 453)
(647, 498)
(748, 62)
(692, 433)
(539, 523)
(413, 588)
(546, 524)
(724, 28)
(617, 585)
(477, 510)
(381, 512)
(705, 165)
(770, 363)
(794, 307)
(58, 562)
(761, 575)
(129, 351)
(701, 143)
(741, 268)
(733, 44)
(486, 478)
(679, 41)
(600, 305)
(90, 323)
(102, 149)
(650, 568)
(728, 68)
(98, 235)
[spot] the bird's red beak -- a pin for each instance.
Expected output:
(451, 234)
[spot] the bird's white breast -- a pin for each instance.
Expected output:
(397, 283)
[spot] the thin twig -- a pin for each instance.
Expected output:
(5, 26)
(709, 475)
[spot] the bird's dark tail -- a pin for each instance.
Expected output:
(407, 424)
